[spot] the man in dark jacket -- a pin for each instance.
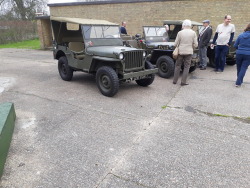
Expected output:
(203, 40)
(123, 28)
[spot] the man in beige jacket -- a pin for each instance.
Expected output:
(186, 40)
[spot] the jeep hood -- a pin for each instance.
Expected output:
(108, 51)
(156, 44)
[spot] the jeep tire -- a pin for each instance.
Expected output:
(231, 62)
(149, 80)
(192, 68)
(65, 71)
(165, 65)
(107, 81)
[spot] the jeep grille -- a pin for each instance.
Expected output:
(133, 60)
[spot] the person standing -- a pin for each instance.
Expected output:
(203, 40)
(165, 34)
(123, 28)
(186, 41)
(242, 46)
(223, 38)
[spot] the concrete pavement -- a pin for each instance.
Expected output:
(69, 135)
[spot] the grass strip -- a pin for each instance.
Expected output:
(27, 44)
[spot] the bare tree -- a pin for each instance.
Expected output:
(22, 9)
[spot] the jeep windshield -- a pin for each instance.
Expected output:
(101, 35)
(100, 32)
(155, 34)
(154, 31)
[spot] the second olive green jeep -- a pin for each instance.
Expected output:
(159, 44)
(95, 46)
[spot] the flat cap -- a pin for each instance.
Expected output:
(206, 21)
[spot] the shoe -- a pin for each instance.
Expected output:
(237, 85)
(184, 84)
(215, 70)
(219, 71)
(203, 68)
(174, 82)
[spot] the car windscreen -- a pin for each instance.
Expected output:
(154, 31)
(95, 32)
(155, 34)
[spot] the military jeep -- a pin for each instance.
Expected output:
(230, 58)
(160, 45)
(154, 41)
(176, 26)
(95, 47)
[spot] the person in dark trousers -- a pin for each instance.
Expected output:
(223, 38)
(203, 40)
(123, 28)
(242, 45)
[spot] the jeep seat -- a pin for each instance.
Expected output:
(133, 43)
(78, 49)
(126, 37)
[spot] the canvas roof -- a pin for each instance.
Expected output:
(179, 22)
(82, 21)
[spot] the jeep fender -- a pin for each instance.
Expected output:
(98, 61)
(59, 54)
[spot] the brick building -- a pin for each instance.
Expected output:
(149, 12)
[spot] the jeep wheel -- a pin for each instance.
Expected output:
(165, 64)
(107, 81)
(212, 62)
(192, 69)
(231, 62)
(65, 71)
(149, 80)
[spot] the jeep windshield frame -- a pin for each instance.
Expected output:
(154, 31)
(100, 31)
(155, 34)
(101, 35)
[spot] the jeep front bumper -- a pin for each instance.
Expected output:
(140, 74)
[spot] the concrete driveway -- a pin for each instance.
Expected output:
(67, 134)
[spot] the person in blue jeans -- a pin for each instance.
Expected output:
(223, 38)
(242, 46)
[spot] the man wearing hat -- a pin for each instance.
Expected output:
(203, 40)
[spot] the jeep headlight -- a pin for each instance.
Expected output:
(121, 56)
(144, 54)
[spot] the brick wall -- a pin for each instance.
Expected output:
(154, 12)
(44, 33)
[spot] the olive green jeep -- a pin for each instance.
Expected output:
(159, 44)
(175, 27)
(95, 47)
